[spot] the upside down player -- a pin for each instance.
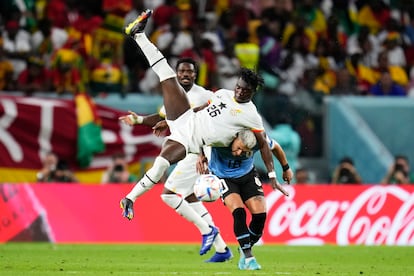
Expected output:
(178, 189)
(242, 187)
(227, 113)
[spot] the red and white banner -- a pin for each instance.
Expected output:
(31, 127)
(311, 215)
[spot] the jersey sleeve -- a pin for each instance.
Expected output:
(256, 121)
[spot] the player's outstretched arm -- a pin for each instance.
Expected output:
(134, 119)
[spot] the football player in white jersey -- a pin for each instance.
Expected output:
(217, 124)
(178, 189)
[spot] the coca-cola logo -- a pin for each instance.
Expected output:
(370, 215)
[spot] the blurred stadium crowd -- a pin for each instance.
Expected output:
(304, 49)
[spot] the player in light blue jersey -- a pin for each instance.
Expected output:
(242, 187)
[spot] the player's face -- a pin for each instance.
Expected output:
(186, 75)
(243, 92)
(238, 148)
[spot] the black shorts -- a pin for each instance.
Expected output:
(246, 186)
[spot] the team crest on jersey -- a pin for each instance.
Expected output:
(235, 111)
(222, 105)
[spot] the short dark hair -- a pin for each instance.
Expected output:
(401, 156)
(253, 79)
(118, 155)
(187, 60)
(347, 159)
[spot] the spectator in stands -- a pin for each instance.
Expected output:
(270, 50)
(336, 39)
(246, 52)
(346, 173)
(6, 71)
(49, 165)
(48, 39)
(392, 42)
(118, 172)
(107, 76)
(369, 49)
(57, 12)
(325, 67)
(134, 59)
(35, 78)
(228, 67)
(313, 15)
(66, 77)
(292, 64)
(345, 83)
(164, 12)
(398, 73)
(302, 176)
(399, 172)
(16, 45)
(175, 39)
(26, 11)
(364, 75)
(386, 87)
(226, 29)
(62, 173)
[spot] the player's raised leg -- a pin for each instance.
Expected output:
(175, 102)
(175, 99)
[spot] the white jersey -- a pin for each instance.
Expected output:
(220, 121)
(217, 124)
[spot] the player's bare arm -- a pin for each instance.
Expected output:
(281, 157)
(268, 161)
(134, 119)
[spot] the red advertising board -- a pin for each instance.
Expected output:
(311, 215)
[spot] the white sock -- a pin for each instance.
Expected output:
(219, 243)
(182, 207)
(151, 177)
(155, 58)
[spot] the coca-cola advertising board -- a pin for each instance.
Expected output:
(311, 215)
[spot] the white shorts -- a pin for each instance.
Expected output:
(184, 131)
(181, 180)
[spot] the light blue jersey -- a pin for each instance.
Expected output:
(224, 165)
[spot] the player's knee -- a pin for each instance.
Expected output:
(158, 169)
(239, 215)
(257, 223)
(172, 200)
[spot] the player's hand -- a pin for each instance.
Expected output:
(276, 186)
(288, 176)
(129, 119)
(159, 127)
(202, 164)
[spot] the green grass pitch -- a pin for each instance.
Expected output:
(173, 259)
